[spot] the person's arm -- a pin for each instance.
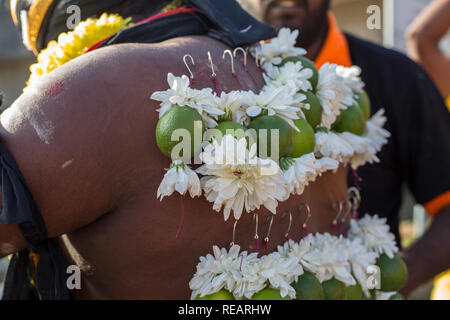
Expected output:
(423, 37)
(431, 254)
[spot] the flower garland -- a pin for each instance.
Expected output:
(74, 43)
(235, 188)
(245, 274)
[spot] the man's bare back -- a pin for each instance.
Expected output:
(85, 143)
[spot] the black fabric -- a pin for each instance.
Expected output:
(222, 20)
(182, 24)
(418, 153)
(19, 207)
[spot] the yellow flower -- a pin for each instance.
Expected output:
(74, 43)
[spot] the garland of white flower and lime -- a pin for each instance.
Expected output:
(320, 266)
(322, 117)
(326, 115)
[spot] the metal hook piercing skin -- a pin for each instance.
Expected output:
(187, 67)
(234, 233)
(256, 237)
(266, 239)
(355, 201)
(287, 236)
(213, 75)
(233, 70)
(308, 210)
(334, 223)
(244, 52)
(212, 64)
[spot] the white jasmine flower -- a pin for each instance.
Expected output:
(281, 272)
(360, 259)
(374, 130)
(333, 93)
(235, 178)
(278, 48)
(374, 234)
(276, 101)
(179, 93)
(179, 178)
(328, 258)
(248, 280)
(295, 249)
(326, 164)
(292, 74)
(215, 272)
(300, 173)
(331, 145)
(230, 103)
(352, 77)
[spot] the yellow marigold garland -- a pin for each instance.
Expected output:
(74, 43)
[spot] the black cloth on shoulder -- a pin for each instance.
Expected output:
(19, 207)
(223, 20)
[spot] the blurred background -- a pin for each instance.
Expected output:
(351, 16)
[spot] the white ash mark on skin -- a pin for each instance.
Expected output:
(66, 164)
(44, 128)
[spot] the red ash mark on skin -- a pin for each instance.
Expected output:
(55, 89)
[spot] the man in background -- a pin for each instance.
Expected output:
(418, 152)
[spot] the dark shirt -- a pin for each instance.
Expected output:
(418, 151)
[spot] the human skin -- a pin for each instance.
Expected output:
(95, 172)
(431, 254)
(423, 37)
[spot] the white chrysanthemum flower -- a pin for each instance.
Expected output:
(331, 145)
(215, 272)
(278, 48)
(248, 280)
(333, 93)
(292, 74)
(179, 178)
(360, 259)
(352, 77)
(235, 178)
(295, 249)
(276, 101)
(375, 132)
(374, 234)
(230, 103)
(281, 272)
(328, 258)
(300, 173)
(179, 93)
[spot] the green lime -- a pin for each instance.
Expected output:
(314, 114)
(308, 287)
(179, 118)
(397, 296)
(220, 295)
(306, 63)
(352, 121)
(333, 289)
(393, 273)
(269, 294)
(264, 126)
(233, 128)
(364, 103)
(305, 140)
(354, 292)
